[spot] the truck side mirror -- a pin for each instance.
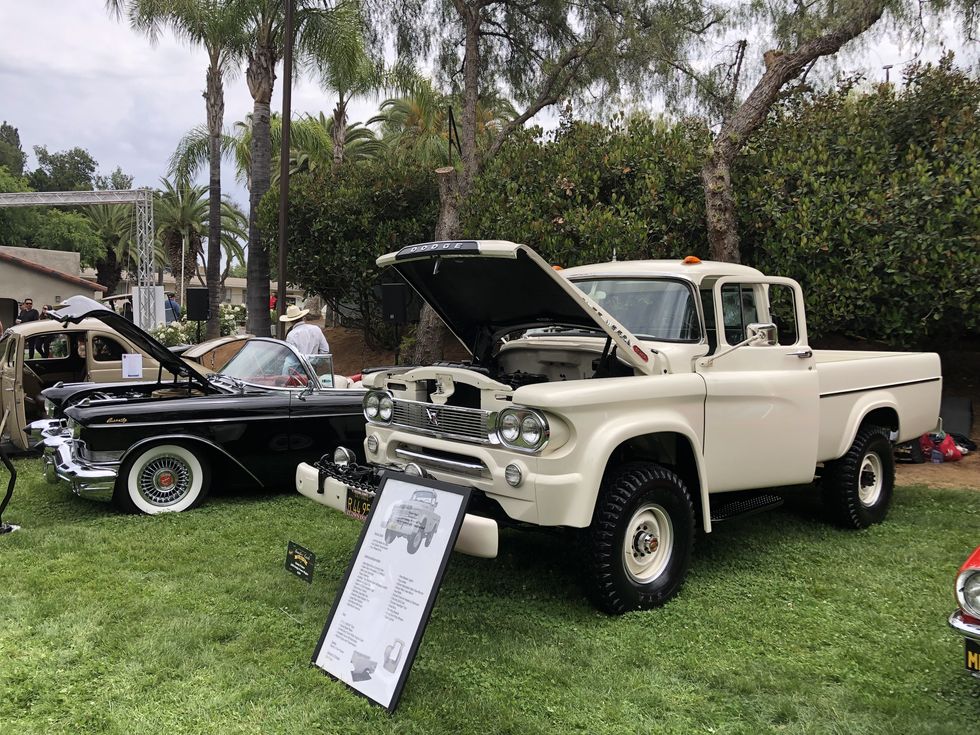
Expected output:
(763, 333)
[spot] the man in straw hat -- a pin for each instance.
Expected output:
(305, 337)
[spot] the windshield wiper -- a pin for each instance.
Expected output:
(544, 331)
(235, 382)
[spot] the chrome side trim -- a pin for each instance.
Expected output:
(236, 420)
(197, 440)
(463, 468)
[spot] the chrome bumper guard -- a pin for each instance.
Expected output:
(95, 482)
(963, 627)
(326, 483)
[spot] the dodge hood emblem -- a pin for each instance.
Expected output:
(432, 416)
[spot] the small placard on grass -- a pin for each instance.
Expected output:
(300, 561)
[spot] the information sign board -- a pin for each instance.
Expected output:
(380, 613)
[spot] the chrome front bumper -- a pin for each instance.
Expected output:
(62, 465)
(478, 536)
(964, 627)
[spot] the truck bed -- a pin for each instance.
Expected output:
(851, 384)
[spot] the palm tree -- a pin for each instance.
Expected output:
(318, 25)
(114, 225)
(215, 25)
(181, 214)
(416, 125)
(315, 142)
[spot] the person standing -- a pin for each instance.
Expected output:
(305, 337)
(171, 309)
(28, 314)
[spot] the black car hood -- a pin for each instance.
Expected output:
(485, 289)
(77, 308)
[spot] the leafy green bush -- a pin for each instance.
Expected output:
(869, 200)
(589, 192)
(339, 223)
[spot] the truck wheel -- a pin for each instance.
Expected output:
(162, 478)
(641, 539)
(414, 542)
(857, 488)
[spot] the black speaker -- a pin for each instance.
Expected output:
(197, 305)
(394, 297)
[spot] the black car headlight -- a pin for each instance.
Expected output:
(379, 406)
(968, 592)
(523, 429)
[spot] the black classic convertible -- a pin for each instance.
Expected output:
(157, 446)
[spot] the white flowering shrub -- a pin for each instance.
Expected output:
(183, 332)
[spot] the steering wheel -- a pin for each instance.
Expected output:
(296, 378)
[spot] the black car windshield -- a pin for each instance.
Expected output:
(267, 363)
(651, 308)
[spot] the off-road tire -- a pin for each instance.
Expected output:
(140, 487)
(858, 487)
(637, 504)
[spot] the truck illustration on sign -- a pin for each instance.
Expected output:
(414, 519)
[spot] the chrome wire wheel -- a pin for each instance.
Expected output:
(870, 479)
(165, 480)
(648, 543)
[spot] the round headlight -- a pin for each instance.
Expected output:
(531, 430)
(386, 407)
(510, 427)
(371, 401)
(513, 475)
(968, 592)
(372, 443)
(342, 457)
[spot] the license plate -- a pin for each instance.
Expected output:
(972, 655)
(358, 506)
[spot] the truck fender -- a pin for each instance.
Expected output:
(865, 405)
(614, 435)
(190, 439)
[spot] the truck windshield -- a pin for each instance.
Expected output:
(651, 308)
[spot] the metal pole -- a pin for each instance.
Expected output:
(287, 89)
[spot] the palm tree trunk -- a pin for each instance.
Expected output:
(261, 77)
(215, 112)
(339, 131)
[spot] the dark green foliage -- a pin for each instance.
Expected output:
(339, 223)
(632, 188)
(12, 156)
(869, 200)
(71, 170)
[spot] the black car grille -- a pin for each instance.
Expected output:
(455, 422)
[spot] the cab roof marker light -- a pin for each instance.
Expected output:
(691, 260)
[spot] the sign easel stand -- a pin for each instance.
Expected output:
(6, 528)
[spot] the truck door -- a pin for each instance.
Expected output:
(12, 388)
(761, 410)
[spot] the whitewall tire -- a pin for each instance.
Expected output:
(163, 478)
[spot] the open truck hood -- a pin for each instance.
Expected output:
(484, 289)
(76, 308)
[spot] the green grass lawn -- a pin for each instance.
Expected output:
(189, 624)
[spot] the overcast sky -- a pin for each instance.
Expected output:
(72, 76)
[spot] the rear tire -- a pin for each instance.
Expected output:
(162, 478)
(641, 539)
(858, 487)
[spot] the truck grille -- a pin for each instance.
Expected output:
(450, 422)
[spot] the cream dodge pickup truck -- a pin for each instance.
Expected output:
(633, 400)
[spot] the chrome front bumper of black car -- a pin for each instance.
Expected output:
(95, 481)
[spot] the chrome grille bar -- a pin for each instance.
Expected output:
(455, 422)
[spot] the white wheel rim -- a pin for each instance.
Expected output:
(163, 479)
(870, 480)
(648, 543)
